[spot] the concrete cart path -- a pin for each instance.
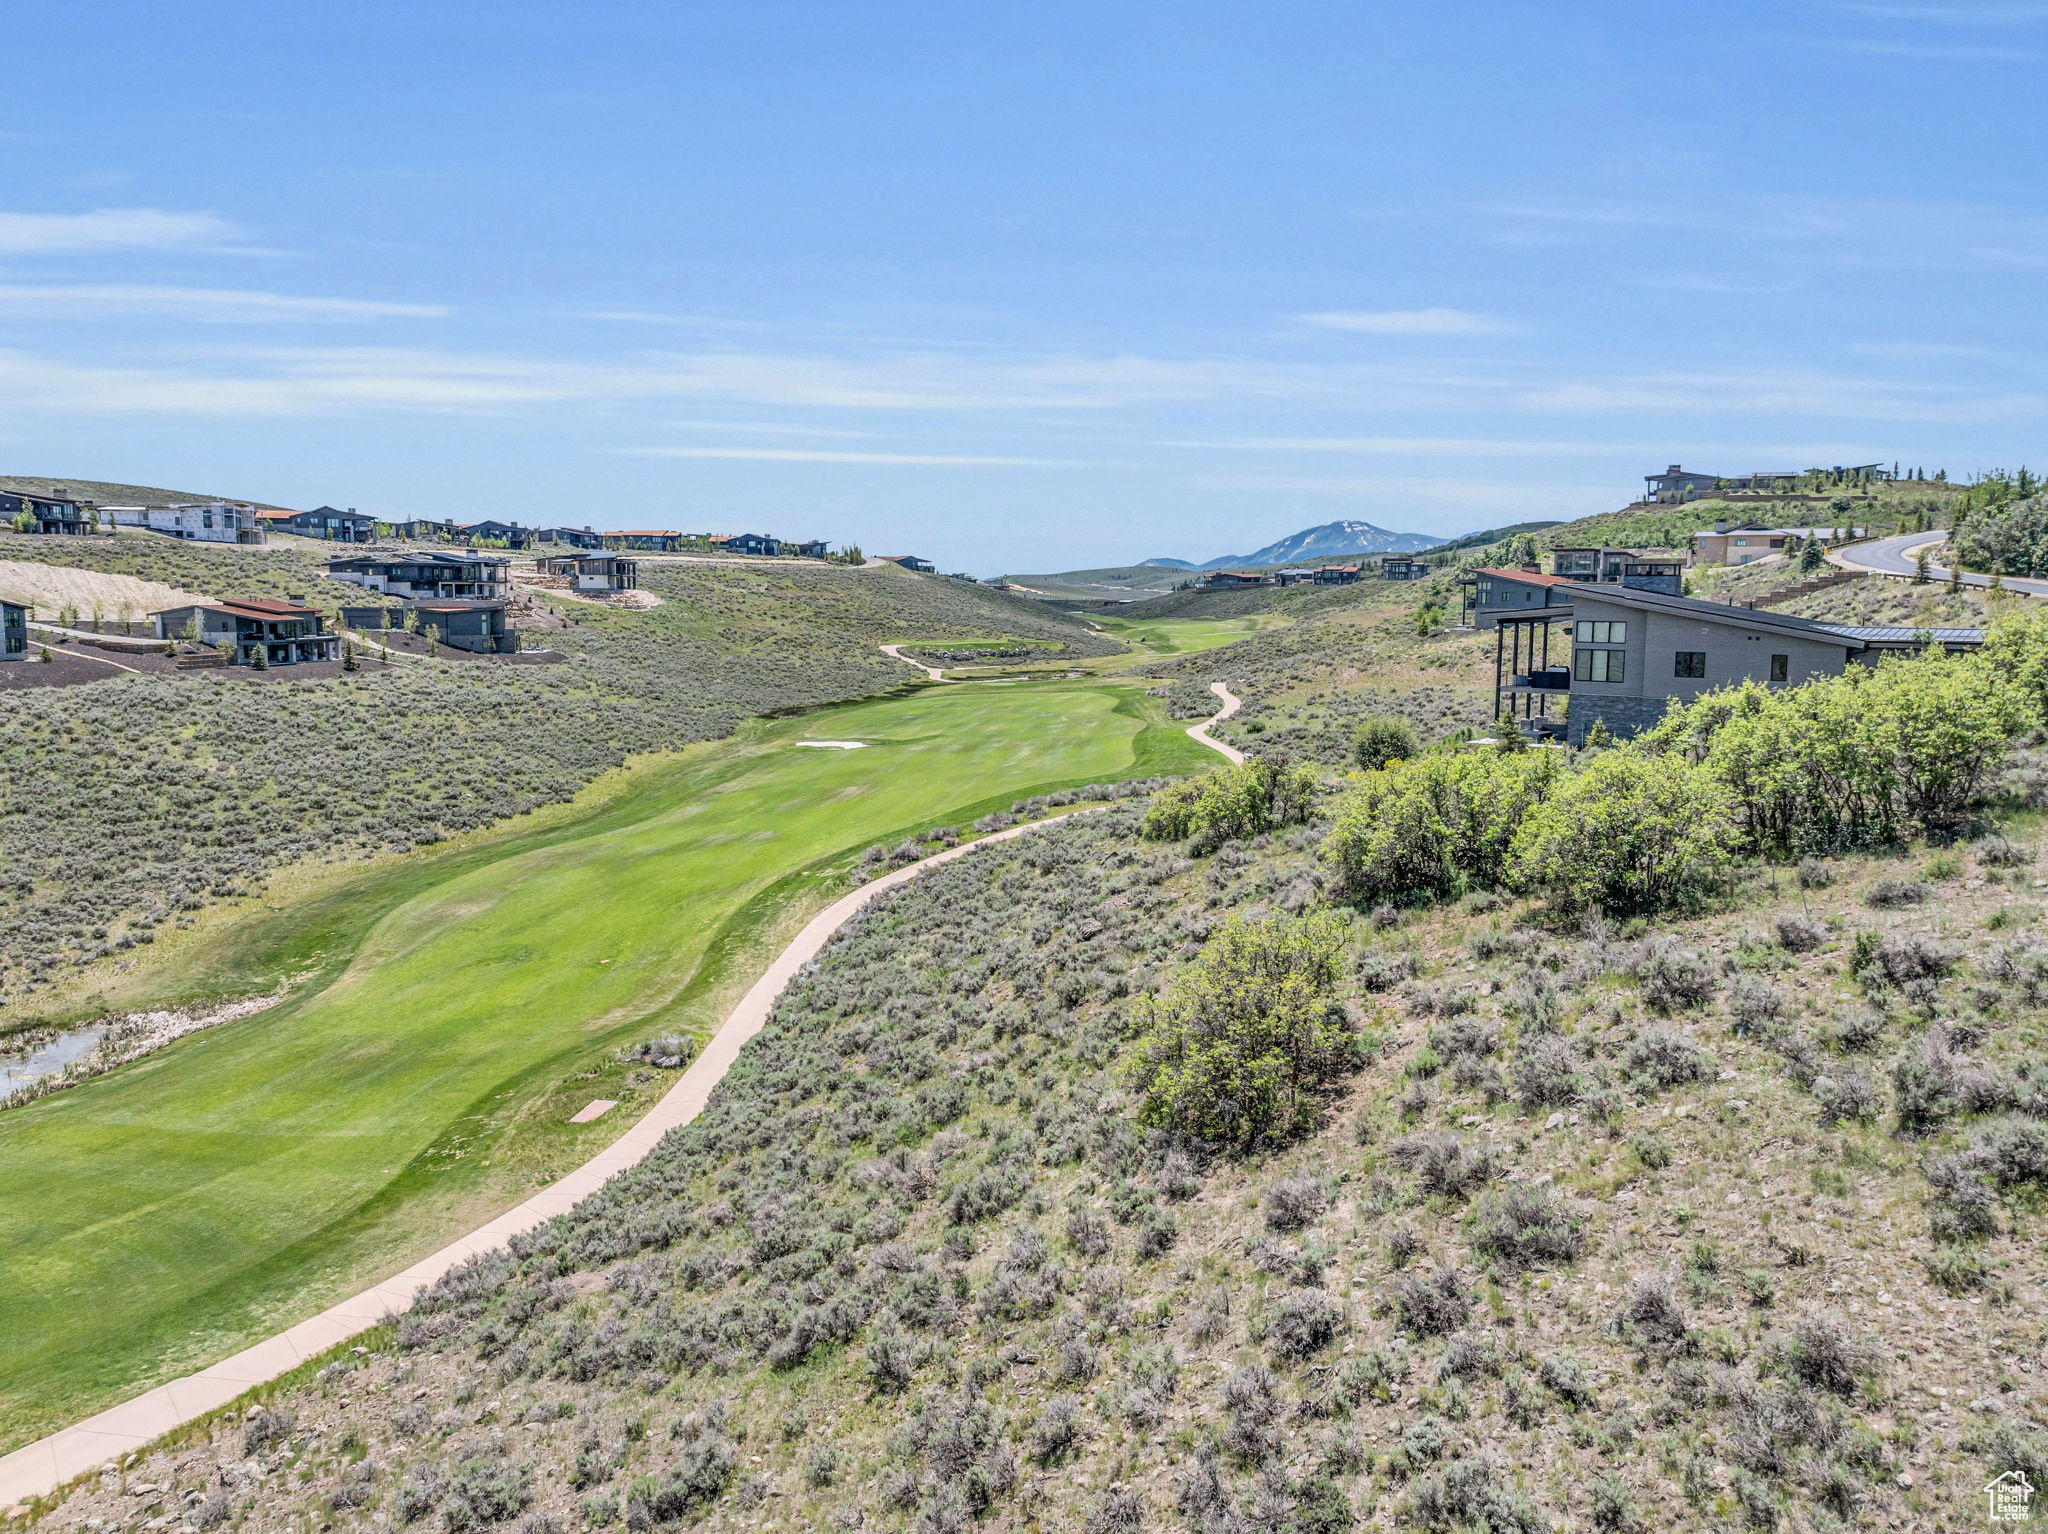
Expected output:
(39, 1468)
(1231, 704)
(895, 651)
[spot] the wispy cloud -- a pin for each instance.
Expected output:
(819, 455)
(226, 306)
(1415, 447)
(1961, 13)
(1787, 392)
(110, 229)
(1970, 53)
(1410, 322)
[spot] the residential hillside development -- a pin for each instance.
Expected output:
(839, 1047)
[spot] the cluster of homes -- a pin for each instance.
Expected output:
(1609, 630)
(1391, 569)
(242, 522)
(463, 600)
(1676, 485)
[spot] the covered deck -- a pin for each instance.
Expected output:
(1525, 677)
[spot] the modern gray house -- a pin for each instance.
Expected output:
(1623, 655)
(480, 627)
(1395, 569)
(42, 513)
(13, 631)
(1637, 569)
(284, 633)
(591, 572)
(471, 577)
(328, 522)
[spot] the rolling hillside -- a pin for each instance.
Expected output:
(106, 492)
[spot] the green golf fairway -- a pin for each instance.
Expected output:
(162, 1216)
(1158, 637)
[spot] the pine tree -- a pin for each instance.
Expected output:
(1920, 573)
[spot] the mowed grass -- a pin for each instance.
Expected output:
(1150, 639)
(160, 1217)
(1161, 637)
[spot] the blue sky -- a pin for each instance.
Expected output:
(1016, 286)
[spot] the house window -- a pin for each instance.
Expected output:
(1588, 631)
(1781, 668)
(1690, 663)
(1600, 665)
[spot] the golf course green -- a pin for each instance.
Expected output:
(451, 1010)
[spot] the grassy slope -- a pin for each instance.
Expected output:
(1349, 652)
(816, 1184)
(178, 790)
(248, 1174)
(107, 492)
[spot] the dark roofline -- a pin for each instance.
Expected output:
(1709, 612)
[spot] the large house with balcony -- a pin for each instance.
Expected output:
(422, 577)
(327, 522)
(1623, 656)
(1639, 569)
(22, 512)
(591, 573)
(283, 633)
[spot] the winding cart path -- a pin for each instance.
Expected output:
(1231, 704)
(40, 1468)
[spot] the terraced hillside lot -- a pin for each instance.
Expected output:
(422, 1075)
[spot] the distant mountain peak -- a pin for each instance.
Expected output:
(1332, 540)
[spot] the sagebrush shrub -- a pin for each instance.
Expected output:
(1433, 1303)
(1526, 1226)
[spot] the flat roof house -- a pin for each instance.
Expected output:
(43, 513)
(1392, 569)
(1334, 575)
(1632, 653)
(1234, 580)
(13, 630)
(569, 537)
(810, 548)
(285, 633)
(476, 577)
(196, 521)
(1639, 569)
(592, 572)
(655, 542)
(910, 562)
(1729, 545)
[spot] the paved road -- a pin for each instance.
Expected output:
(1894, 556)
